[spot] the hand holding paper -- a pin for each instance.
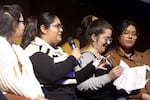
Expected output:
(132, 78)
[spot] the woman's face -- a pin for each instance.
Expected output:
(103, 40)
(20, 28)
(128, 37)
(54, 32)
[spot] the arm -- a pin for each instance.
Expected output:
(12, 80)
(48, 70)
(85, 73)
(92, 83)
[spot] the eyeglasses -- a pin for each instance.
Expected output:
(22, 21)
(58, 26)
(108, 40)
(127, 34)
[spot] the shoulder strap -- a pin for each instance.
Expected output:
(88, 52)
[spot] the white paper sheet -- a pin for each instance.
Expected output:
(132, 78)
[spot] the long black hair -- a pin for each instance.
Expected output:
(32, 28)
(30, 31)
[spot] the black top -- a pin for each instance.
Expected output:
(49, 73)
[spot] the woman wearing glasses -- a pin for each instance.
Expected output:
(99, 86)
(53, 68)
(16, 71)
(125, 36)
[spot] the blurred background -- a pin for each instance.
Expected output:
(71, 13)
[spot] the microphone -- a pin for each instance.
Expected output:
(71, 42)
(73, 45)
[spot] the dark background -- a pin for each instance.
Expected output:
(71, 13)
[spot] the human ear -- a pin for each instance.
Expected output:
(93, 37)
(43, 29)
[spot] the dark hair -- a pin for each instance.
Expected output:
(30, 31)
(9, 19)
(45, 19)
(97, 27)
(32, 28)
(121, 27)
(80, 33)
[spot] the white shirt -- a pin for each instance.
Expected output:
(11, 78)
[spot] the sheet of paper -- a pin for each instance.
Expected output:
(132, 78)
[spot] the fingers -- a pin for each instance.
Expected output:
(118, 71)
(99, 64)
(145, 96)
(102, 60)
(76, 53)
(102, 66)
(115, 72)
